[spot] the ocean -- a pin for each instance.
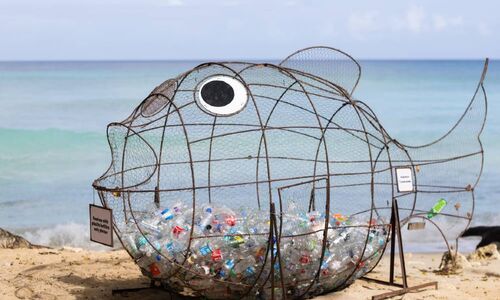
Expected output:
(53, 119)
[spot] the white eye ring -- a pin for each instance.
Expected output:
(221, 95)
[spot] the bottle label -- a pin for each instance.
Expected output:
(205, 250)
(177, 230)
(167, 214)
(217, 255)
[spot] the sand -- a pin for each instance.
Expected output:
(78, 274)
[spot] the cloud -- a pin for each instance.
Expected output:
(362, 24)
(174, 2)
(441, 22)
(483, 29)
(414, 18)
(229, 3)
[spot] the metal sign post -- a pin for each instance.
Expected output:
(404, 288)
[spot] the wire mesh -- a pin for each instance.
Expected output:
(288, 196)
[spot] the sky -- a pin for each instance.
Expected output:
(251, 29)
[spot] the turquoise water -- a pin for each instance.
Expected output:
(53, 121)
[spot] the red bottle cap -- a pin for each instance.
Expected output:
(305, 259)
(231, 221)
(155, 271)
(177, 230)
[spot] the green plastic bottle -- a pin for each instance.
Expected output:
(437, 208)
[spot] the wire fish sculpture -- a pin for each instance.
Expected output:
(243, 180)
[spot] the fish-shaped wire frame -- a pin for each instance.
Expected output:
(279, 139)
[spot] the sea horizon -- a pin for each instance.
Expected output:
(140, 60)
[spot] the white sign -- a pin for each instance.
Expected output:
(101, 225)
(405, 179)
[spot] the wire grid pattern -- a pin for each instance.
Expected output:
(303, 139)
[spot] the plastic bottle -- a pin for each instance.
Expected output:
(129, 241)
(150, 247)
(204, 249)
(140, 242)
(166, 214)
(151, 226)
(240, 245)
(216, 255)
(205, 222)
(226, 218)
(154, 269)
(228, 268)
(437, 208)
(327, 260)
(180, 229)
(245, 267)
(179, 208)
(314, 216)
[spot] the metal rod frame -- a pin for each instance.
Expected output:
(166, 108)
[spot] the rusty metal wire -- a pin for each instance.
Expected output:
(299, 136)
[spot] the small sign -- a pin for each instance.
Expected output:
(405, 179)
(101, 225)
(416, 226)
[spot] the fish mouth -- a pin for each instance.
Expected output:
(133, 160)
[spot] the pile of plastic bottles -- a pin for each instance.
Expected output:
(224, 253)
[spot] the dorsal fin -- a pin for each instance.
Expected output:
(327, 63)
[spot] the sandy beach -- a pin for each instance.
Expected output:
(78, 274)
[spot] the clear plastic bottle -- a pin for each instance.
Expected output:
(204, 225)
(129, 241)
(151, 247)
(225, 218)
(180, 230)
(246, 267)
(150, 226)
(179, 208)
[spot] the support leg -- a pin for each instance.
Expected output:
(396, 233)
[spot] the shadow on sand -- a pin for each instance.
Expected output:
(138, 288)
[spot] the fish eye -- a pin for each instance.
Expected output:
(221, 95)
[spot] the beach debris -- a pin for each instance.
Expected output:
(24, 293)
(452, 263)
(49, 253)
(11, 241)
(489, 252)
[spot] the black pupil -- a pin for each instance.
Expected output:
(217, 93)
